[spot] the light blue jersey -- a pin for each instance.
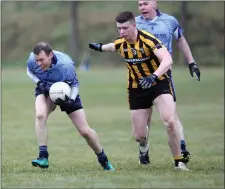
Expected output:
(62, 69)
(163, 26)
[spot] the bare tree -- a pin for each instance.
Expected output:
(184, 23)
(184, 17)
(74, 34)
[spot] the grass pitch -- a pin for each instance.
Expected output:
(73, 165)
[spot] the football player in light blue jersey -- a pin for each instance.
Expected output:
(166, 28)
(45, 67)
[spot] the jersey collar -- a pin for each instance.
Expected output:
(158, 12)
(54, 59)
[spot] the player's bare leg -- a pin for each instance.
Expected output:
(185, 153)
(43, 107)
(139, 120)
(80, 122)
(167, 109)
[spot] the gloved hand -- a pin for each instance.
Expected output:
(67, 102)
(146, 82)
(41, 86)
(96, 46)
(194, 70)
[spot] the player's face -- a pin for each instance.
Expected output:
(146, 8)
(44, 60)
(126, 29)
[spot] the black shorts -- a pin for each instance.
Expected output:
(68, 109)
(143, 98)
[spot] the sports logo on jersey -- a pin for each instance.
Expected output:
(134, 51)
(160, 35)
(137, 60)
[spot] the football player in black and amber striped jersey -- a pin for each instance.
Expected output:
(140, 57)
(147, 62)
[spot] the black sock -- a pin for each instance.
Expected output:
(102, 158)
(43, 151)
(182, 145)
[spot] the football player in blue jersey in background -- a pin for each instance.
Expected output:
(45, 67)
(166, 28)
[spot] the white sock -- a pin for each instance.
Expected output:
(143, 145)
(143, 148)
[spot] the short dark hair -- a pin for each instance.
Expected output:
(42, 46)
(125, 16)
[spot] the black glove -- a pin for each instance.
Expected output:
(96, 46)
(41, 86)
(146, 82)
(66, 102)
(194, 70)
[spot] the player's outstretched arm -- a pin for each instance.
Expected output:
(110, 47)
(186, 51)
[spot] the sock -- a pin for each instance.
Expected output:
(143, 146)
(43, 151)
(182, 145)
(102, 158)
(177, 159)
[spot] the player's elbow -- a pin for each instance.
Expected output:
(170, 61)
(28, 72)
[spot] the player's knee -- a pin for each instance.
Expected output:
(85, 132)
(41, 116)
(138, 136)
(170, 123)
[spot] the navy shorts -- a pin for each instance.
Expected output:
(68, 109)
(143, 98)
(169, 73)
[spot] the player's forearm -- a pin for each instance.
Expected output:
(33, 77)
(185, 49)
(108, 47)
(164, 66)
(74, 92)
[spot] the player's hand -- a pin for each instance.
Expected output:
(41, 86)
(146, 82)
(66, 102)
(194, 70)
(96, 46)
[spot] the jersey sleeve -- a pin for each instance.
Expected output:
(69, 75)
(151, 42)
(177, 29)
(31, 62)
(156, 44)
(30, 68)
(117, 43)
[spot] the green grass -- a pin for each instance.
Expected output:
(74, 165)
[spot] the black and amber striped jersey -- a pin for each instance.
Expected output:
(140, 57)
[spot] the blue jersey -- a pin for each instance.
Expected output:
(163, 26)
(62, 69)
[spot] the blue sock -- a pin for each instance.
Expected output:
(43, 151)
(102, 158)
(182, 145)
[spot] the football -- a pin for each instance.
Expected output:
(59, 90)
